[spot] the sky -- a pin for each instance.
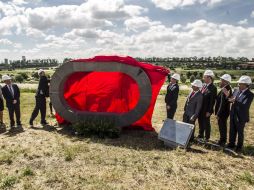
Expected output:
(139, 28)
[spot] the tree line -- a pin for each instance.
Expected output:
(199, 62)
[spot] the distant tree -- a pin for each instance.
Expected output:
(188, 74)
(192, 78)
(24, 75)
(35, 75)
(19, 78)
(183, 79)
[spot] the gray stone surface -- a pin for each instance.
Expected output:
(176, 133)
(71, 115)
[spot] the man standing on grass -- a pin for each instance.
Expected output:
(193, 105)
(209, 92)
(222, 107)
(172, 96)
(11, 94)
(40, 99)
(239, 114)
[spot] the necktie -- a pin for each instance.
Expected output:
(203, 89)
(11, 90)
(192, 94)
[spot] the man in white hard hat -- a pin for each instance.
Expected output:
(172, 96)
(239, 114)
(209, 92)
(193, 104)
(40, 98)
(11, 94)
(222, 107)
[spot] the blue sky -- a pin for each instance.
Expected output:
(166, 28)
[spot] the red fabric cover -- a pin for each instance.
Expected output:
(112, 92)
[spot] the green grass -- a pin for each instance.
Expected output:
(46, 159)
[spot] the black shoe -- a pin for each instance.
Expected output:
(31, 124)
(230, 146)
(44, 123)
(238, 149)
(221, 143)
(200, 137)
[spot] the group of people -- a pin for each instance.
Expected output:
(203, 101)
(11, 93)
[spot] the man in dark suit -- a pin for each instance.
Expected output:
(40, 99)
(209, 92)
(11, 94)
(172, 96)
(222, 107)
(239, 114)
(193, 105)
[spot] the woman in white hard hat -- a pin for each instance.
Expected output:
(209, 92)
(193, 105)
(172, 96)
(222, 107)
(239, 114)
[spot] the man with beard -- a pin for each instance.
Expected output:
(239, 114)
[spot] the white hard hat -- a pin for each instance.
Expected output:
(245, 80)
(176, 76)
(40, 71)
(226, 77)
(197, 83)
(209, 73)
(6, 77)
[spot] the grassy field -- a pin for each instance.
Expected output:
(51, 158)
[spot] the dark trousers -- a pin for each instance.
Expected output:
(40, 105)
(222, 122)
(236, 128)
(186, 119)
(204, 127)
(171, 112)
(15, 108)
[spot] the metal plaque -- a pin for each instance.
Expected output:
(176, 133)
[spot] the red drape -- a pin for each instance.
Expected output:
(112, 92)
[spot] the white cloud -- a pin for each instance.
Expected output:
(243, 22)
(139, 23)
(173, 4)
(5, 42)
(19, 2)
(34, 33)
(252, 14)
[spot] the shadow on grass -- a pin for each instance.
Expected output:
(248, 150)
(14, 131)
(48, 128)
(129, 138)
(136, 139)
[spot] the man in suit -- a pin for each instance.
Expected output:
(11, 94)
(239, 114)
(172, 96)
(222, 107)
(40, 99)
(193, 105)
(209, 92)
